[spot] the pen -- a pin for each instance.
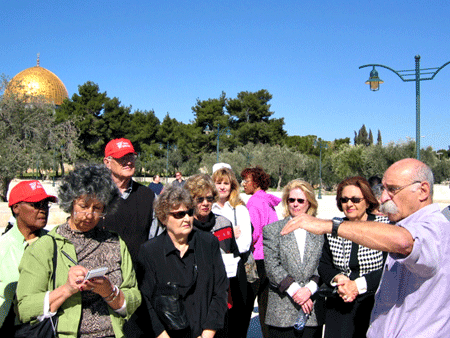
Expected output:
(70, 258)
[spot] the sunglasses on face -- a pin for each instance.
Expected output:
(355, 200)
(182, 214)
(299, 200)
(44, 204)
(210, 199)
(126, 159)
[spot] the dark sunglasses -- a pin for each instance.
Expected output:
(354, 200)
(44, 204)
(299, 200)
(210, 199)
(182, 214)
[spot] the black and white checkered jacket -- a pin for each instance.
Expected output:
(336, 259)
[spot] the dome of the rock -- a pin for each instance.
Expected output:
(38, 81)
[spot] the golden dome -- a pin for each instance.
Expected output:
(37, 81)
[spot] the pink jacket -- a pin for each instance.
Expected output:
(261, 207)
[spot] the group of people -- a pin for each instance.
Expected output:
(102, 274)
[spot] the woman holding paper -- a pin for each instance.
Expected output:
(204, 193)
(98, 306)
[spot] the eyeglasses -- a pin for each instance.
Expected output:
(182, 214)
(299, 200)
(93, 213)
(210, 199)
(392, 191)
(125, 159)
(355, 200)
(41, 205)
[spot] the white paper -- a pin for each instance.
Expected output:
(231, 264)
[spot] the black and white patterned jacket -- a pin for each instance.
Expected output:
(342, 256)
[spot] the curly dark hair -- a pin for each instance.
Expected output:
(365, 188)
(91, 181)
(258, 175)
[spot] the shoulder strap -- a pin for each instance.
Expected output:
(54, 260)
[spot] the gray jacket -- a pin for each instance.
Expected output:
(284, 266)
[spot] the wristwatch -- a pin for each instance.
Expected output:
(336, 223)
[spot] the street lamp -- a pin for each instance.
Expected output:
(320, 143)
(406, 75)
(225, 131)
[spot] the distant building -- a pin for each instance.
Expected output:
(38, 81)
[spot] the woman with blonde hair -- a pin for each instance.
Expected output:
(204, 193)
(231, 206)
(291, 263)
(309, 194)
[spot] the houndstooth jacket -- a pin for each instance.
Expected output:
(283, 267)
(342, 256)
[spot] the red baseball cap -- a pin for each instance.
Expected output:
(28, 191)
(118, 148)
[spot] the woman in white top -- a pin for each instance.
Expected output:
(231, 206)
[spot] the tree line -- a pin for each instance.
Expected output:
(79, 129)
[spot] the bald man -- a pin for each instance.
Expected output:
(412, 299)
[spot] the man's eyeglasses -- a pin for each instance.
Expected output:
(210, 199)
(299, 200)
(392, 191)
(41, 205)
(182, 214)
(355, 200)
(126, 159)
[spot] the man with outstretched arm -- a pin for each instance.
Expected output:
(412, 299)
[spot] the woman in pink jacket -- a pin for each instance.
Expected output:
(261, 207)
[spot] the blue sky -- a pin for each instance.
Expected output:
(164, 55)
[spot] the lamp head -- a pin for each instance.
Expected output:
(374, 81)
(207, 129)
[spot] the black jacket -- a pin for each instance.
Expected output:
(206, 301)
(132, 218)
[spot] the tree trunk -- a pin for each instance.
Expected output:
(4, 186)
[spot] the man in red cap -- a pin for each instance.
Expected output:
(29, 204)
(133, 218)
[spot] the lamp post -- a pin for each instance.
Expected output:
(218, 132)
(320, 143)
(407, 75)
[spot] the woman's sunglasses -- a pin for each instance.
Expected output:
(354, 200)
(182, 214)
(299, 200)
(210, 199)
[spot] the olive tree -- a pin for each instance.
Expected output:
(28, 132)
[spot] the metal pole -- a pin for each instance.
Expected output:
(218, 140)
(320, 170)
(167, 159)
(417, 58)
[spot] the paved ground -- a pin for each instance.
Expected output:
(327, 210)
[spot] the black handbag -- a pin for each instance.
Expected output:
(46, 328)
(169, 306)
(167, 300)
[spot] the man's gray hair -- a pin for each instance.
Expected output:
(424, 173)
